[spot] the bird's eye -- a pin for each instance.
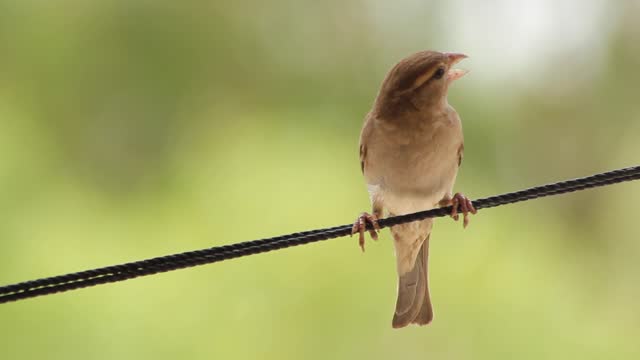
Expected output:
(439, 73)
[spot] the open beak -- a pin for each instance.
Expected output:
(455, 74)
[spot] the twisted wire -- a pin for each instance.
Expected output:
(115, 273)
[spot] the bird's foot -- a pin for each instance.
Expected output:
(466, 207)
(361, 225)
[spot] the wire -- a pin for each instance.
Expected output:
(115, 273)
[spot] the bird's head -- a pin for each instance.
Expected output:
(418, 83)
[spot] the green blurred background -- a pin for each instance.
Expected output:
(133, 129)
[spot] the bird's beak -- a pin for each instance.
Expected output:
(455, 74)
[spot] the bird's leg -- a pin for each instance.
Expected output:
(466, 207)
(361, 225)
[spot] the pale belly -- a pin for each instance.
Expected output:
(417, 175)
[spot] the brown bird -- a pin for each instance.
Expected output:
(411, 146)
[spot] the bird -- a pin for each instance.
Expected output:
(411, 146)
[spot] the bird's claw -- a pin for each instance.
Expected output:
(360, 225)
(466, 207)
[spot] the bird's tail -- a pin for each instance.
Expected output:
(414, 304)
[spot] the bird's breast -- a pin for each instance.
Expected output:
(411, 171)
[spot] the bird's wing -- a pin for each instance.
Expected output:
(363, 156)
(460, 154)
(364, 137)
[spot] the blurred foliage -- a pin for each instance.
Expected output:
(132, 129)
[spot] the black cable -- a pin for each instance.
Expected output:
(156, 265)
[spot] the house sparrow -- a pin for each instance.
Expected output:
(411, 146)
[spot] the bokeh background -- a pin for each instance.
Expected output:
(133, 129)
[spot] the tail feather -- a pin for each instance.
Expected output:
(414, 304)
(425, 316)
